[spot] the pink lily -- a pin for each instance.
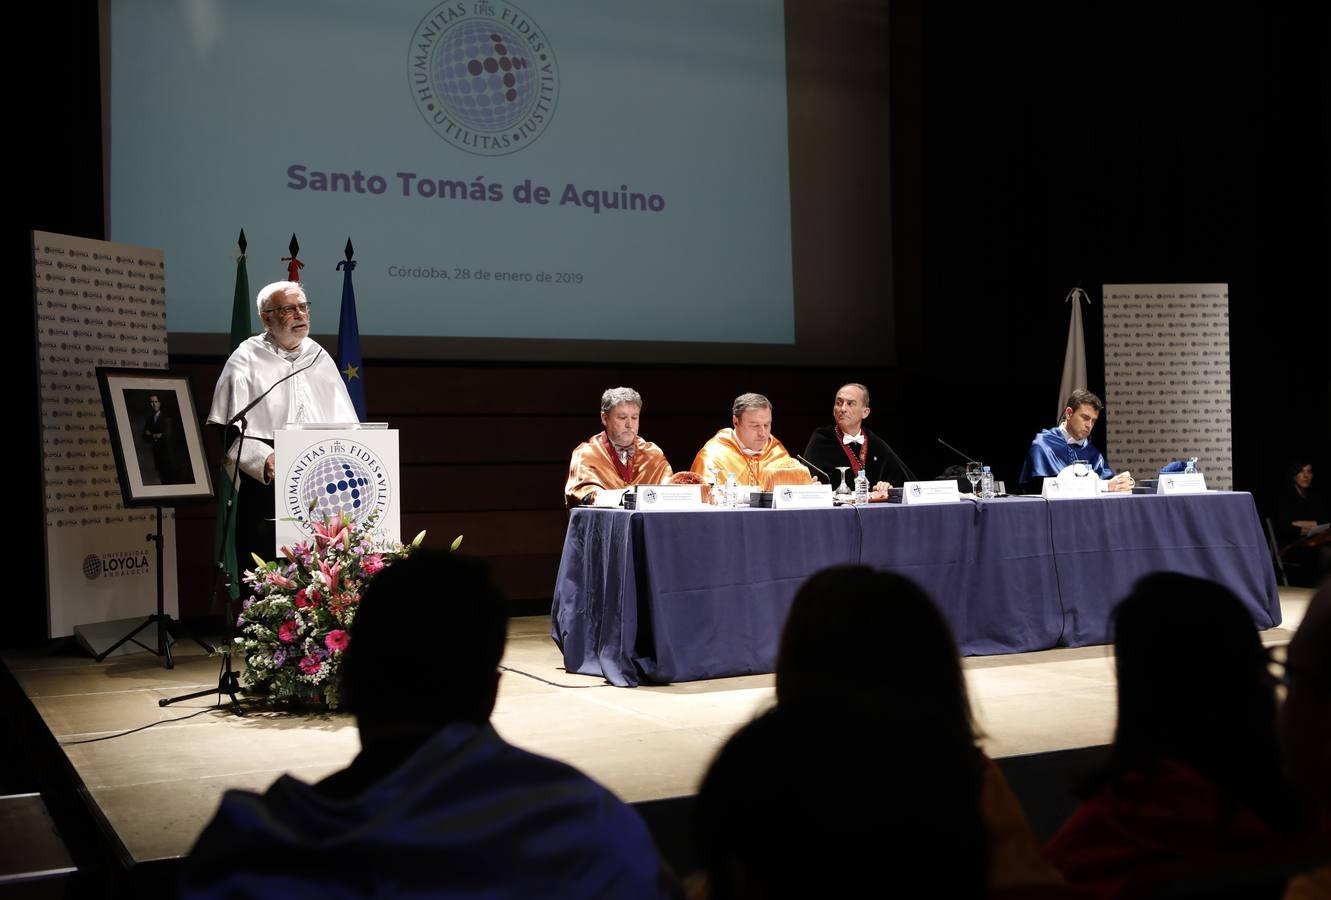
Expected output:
(329, 574)
(280, 580)
(339, 531)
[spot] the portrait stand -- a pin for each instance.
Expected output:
(172, 473)
(166, 626)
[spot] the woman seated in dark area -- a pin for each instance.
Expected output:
(1298, 510)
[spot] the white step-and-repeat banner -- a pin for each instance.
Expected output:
(1167, 378)
(98, 304)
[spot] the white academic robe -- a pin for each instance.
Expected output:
(317, 394)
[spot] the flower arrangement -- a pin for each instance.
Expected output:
(294, 629)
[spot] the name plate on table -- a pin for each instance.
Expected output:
(922, 492)
(1071, 488)
(609, 499)
(1182, 483)
(802, 496)
(660, 497)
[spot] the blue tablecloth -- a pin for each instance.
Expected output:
(1103, 546)
(680, 596)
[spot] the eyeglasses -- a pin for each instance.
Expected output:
(287, 312)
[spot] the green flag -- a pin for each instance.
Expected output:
(241, 328)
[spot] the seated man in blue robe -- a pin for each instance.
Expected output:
(436, 804)
(1068, 443)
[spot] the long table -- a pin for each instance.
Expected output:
(680, 596)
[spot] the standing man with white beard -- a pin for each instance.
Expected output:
(314, 393)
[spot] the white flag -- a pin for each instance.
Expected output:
(1074, 357)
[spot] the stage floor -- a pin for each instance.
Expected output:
(157, 788)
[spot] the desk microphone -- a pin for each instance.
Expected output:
(958, 452)
(815, 468)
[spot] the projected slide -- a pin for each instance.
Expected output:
(603, 169)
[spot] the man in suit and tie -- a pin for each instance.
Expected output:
(160, 432)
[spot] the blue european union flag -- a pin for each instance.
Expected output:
(348, 340)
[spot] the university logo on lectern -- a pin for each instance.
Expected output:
(483, 75)
(331, 478)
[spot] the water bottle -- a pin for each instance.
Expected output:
(861, 488)
(1191, 467)
(986, 483)
(732, 491)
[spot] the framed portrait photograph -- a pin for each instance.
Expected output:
(156, 437)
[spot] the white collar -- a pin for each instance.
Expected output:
(289, 355)
(745, 450)
(848, 438)
(1062, 428)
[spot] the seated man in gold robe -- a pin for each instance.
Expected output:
(749, 449)
(616, 458)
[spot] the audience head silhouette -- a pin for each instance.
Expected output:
(1306, 713)
(833, 800)
(1194, 687)
(781, 812)
(825, 650)
(386, 681)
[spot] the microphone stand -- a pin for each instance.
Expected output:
(956, 451)
(228, 680)
(815, 468)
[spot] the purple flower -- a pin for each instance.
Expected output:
(279, 659)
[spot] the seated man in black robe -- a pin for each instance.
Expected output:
(848, 443)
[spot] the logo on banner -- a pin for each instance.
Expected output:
(484, 76)
(334, 478)
(115, 564)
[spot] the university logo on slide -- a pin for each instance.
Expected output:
(334, 477)
(483, 75)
